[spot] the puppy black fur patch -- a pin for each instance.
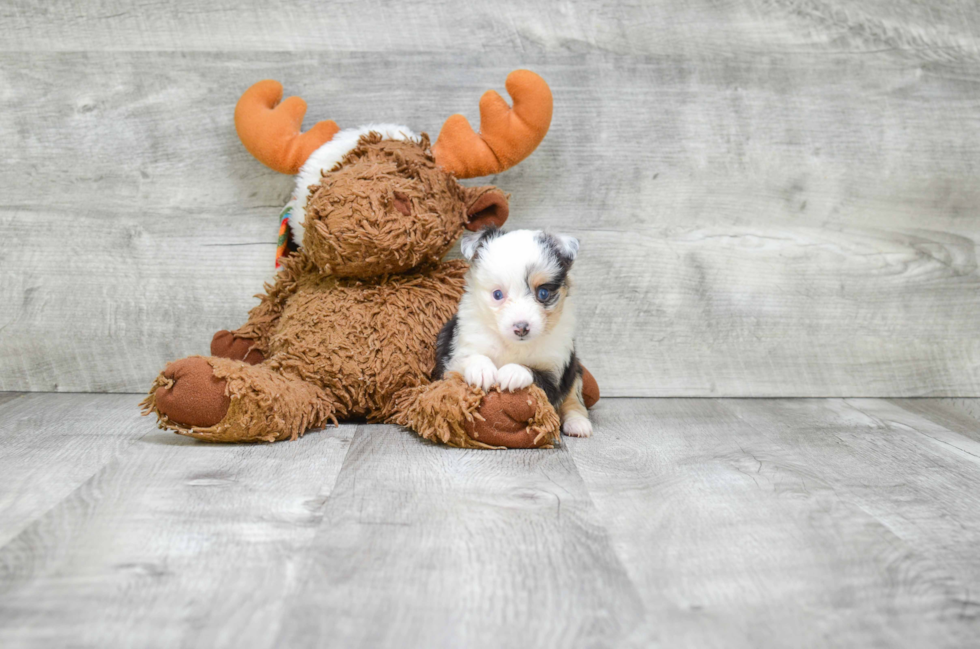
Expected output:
(554, 249)
(557, 388)
(444, 348)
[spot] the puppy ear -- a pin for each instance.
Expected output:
(485, 206)
(471, 241)
(567, 246)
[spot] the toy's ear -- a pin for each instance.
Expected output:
(485, 206)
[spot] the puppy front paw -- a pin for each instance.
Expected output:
(480, 372)
(577, 427)
(513, 377)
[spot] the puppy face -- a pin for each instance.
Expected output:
(518, 281)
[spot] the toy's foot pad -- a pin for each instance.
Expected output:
(505, 421)
(193, 396)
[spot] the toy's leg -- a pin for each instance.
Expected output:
(226, 344)
(222, 400)
(590, 389)
(457, 414)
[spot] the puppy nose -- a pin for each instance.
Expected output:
(521, 328)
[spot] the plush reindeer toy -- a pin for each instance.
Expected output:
(348, 327)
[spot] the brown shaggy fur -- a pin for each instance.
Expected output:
(458, 414)
(354, 227)
(348, 328)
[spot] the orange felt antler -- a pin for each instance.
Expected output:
(506, 136)
(271, 132)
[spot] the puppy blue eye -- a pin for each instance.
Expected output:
(543, 294)
(498, 295)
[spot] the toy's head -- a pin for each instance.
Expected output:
(378, 199)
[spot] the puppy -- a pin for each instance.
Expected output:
(515, 324)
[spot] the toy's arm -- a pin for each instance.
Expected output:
(250, 342)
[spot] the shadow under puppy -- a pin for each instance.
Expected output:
(515, 324)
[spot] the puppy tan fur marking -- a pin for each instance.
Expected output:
(574, 414)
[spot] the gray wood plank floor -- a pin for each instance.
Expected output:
(681, 523)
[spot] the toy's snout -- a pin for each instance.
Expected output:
(387, 208)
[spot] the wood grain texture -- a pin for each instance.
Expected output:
(942, 29)
(173, 542)
(959, 415)
(425, 546)
(50, 446)
(153, 289)
(749, 522)
(681, 523)
(9, 396)
(774, 198)
(929, 470)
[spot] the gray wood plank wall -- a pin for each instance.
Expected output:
(774, 198)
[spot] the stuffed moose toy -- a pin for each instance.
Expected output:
(348, 327)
